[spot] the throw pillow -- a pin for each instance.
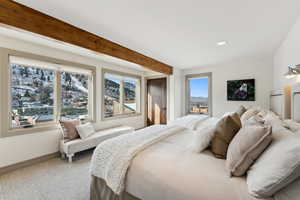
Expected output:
(246, 147)
(225, 130)
(69, 129)
(277, 167)
(202, 138)
(292, 125)
(241, 110)
(248, 114)
(85, 130)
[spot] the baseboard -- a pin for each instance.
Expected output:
(27, 163)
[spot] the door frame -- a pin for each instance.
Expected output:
(187, 93)
(146, 96)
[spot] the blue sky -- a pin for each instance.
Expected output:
(199, 87)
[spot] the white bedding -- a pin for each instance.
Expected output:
(169, 170)
(112, 158)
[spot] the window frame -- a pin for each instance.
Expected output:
(138, 99)
(6, 130)
(187, 95)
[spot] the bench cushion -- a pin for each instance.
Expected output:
(78, 145)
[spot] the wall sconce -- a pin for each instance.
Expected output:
(293, 70)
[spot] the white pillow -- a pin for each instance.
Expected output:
(207, 122)
(85, 130)
(189, 121)
(202, 138)
(292, 125)
(291, 192)
(278, 166)
(274, 120)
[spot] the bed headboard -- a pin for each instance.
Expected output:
(280, 102)
(296, 103)
(277, 102)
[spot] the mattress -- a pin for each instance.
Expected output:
(169, 170)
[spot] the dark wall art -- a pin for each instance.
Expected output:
(241, 90)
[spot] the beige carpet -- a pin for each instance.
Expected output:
(52, 180)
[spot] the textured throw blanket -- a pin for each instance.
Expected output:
(112, 158)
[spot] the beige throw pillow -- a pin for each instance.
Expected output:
(225, 130)
(254, 120)
(246, 147)
(69, 129)
(241, 110)
(248, 114)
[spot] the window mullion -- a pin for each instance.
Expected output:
(90, 98)
(122, 95)
(57, 93)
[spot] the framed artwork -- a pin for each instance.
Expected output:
(241, 90)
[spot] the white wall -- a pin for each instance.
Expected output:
(175, 92)
(287, 54)
(260, 70)
(24, 147)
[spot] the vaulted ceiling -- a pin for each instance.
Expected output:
(182, 33)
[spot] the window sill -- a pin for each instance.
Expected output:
(36, 129)
(121, 116)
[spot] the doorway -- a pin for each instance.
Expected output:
(156, 101)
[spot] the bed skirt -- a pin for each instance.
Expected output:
(100, 191)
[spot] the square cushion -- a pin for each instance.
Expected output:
(241, 110)
(85, 130)
(202, 138)
(225, 130)
(69, 129)
(292, 125)
(246, 147)
(255, 120)
(277, 167)
(248, 114)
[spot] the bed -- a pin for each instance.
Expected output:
(169, 170)
(280, 102)
(295, 99)
(160, 172)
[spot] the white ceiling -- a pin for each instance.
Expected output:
(182, 33)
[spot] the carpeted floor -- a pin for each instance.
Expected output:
(51, 180)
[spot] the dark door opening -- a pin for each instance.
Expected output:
(156, 101)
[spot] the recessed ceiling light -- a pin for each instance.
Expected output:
(221, 43)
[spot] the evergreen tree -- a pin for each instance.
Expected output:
(27, 94)
(26, 72)
(43, 75)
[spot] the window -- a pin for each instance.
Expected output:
(32, 93)
(43, 92)
(121, 94)
(74, 95)
(199, 94)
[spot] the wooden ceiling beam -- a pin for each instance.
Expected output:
(23, 17)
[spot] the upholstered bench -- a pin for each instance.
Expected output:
(69, 148)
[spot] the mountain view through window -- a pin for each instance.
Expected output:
(32, 92)
(74, 96)
(198, 95)
(119, 95)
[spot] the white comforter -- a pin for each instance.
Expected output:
(113, 157)
(169, 170)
